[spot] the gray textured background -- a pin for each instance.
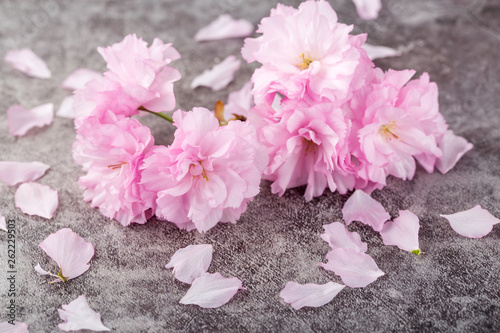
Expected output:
(453, 287)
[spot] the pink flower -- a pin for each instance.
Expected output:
(208, 174)
(111, 150)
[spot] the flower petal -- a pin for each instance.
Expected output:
(20, 120)
(356, 269)
(211, 290)
(337, 236)
(403, 232)
(13, 173)
(3, 224)
(219, 76)
(78, 315)
(27, 62)
(66, 108)
(191, 262)
(310, 294)
(79, 78)
(41, 271)
(473, 223)
(36, 199)
(454, 147)
(362, 207)
(368, 9)
(18, 327)
(377, 52)
(224, 27)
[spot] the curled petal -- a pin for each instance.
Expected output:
(66, 108)
(219, 76)
(224, 27)
(377, 52)
(18, 327)
(337, 236)
(20, 120)
(368, 9)
(79, 78)
(191, 262)
(13, 173)
(454, 147)
(27, 62)
(37, 199)
(403, 232)
(362, 207)
(313, 295)
(473, 223)
(78, 315)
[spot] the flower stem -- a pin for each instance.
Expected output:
(159, 114)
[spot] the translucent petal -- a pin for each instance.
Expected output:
(361, 207)
(78, 315)
(224, 27)
(403, 232)
(37, 199)
(13, 173)
(313, 295)
(211, 290)
(20, 120)
(191, 262)
(337, 236)
(27, 62)
(473, 223)
(219, 76)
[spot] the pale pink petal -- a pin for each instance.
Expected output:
(79, 78)
(356, 269)
(224, 27)
(337, 236)
(403, 232)
(191, 262)
(219, 76)
(3, 224)
(41, 271)
(211, 290)
(377, 52)
(70, 251)
(27, 62)
(473, 223)
(313, 295)
(368, 9)
(454, 147)
(78, 315)
(20, 120)
(18, 327)
(66, 108)
(362, 207)
(13, 173)
(36, 199)
(239, 102)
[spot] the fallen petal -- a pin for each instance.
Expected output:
(377, 52)
(18, 327)
(13, 173)
(20, 120)
(79, 78)
(337, 236)
(219, 76)
(224, 27)
(36, 199)
(191, 262)
(356, 269)
(473, 223)
(78, 315)
(66, 108)
(368, 9)
(362, 207)
(313, 295)
(211, 290)
(403, 232)
(41, 271)
(453, 147)
(27, 62)
(3, 224)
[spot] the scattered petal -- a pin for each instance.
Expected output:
(18, 327)
(79, 78)
(20, 120)
(41, 271)
(211, 290)
(36, 199)
(403, 232)
(219, 76)
(337, 236)
(78, 315)
(3, 224)
(377, 52)
(368, 9)
(13, 173)
(224, 27)
(356, 269)
(66, 108)
(191, 262)
(454, 147)
(27, 62)
(362, 207)
(473, 223)
(313, 295)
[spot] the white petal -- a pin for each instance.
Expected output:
(454, 147)
(79, 78)
(191, 262)
(211, 290)
(36, 199)
(224, 27)
(361, 207)
(473, 223)
(3, 224)
(377, 52)
(78, 315)
(13, 173)
(41, 271)
(368, 9)
(403, 232)
(6, 327)
(219, 76)
(337, 236)
(66, 108)
(20, 120)
(313, 295)
(29, 63)
(356, 269)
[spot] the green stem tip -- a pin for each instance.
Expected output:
(159, 114)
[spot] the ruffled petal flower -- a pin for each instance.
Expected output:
(79, 78)
(224, 27)
(20, 120)
(18, 327)
(368, 9)
(403, 232)
(310, 294)
(78, 315)
(454, 147)
(27, 62)
(13, 173)
(337, 236)
(36, 199)
(219, 76)
(473, 223)
(362, 207)
(191, 262)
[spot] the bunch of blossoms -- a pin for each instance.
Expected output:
(208, 174)
(329, 118)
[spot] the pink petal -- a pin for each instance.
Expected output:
(337, 236)
(313, 295)
(70, 251)
(473, 223)
(219, 76)
(356, 269)
(18, 327)
(403, 232)
(368, 9)
(361, 207)
(78, 315)
(191, 262)
(3, 224)
(79, 78)
(21, 120)
(239, 102)
(13, 173)
(40, 270)
(377, 52)
(211, 290)
(36, 199)
(27, 62)
(454, 147)
(224, 27)
(66, 108)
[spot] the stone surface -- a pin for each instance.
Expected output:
(454, 286)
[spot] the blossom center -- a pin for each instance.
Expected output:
(310, 146)
(387, 131)
(116, 166)
(198, 169)
(305, 61)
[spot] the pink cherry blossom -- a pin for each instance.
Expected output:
(337, 236)
(37, 199)
(476, 222)
(224, 27)
(403, 232)
(191, 262)
(20, 120)
(310, 294)
(13, 173)
(78, 315)
(219, 76)
(362, 207)
(27, 62)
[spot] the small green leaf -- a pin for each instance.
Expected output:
(61, 275)
(417, 252)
